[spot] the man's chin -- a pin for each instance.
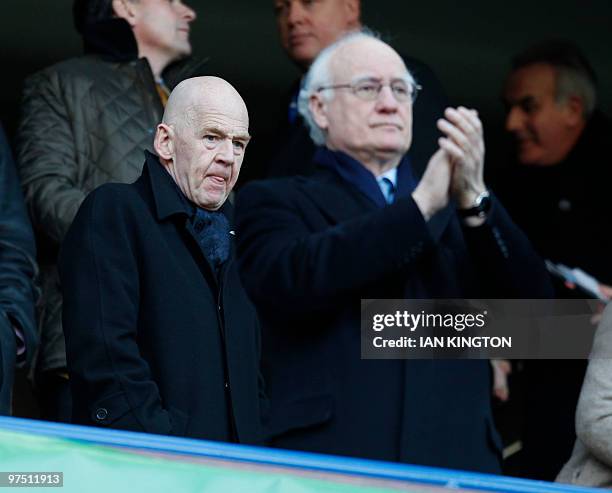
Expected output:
(530, 158)
(183, 51)
(393, 147)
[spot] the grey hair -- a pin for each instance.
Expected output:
(319, 75)
(574, 74)
(571, 82)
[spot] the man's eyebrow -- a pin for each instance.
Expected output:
(361, 78)
(509, 102)
(215, 129)
(374, 78)
(241, 136)
(221, 131)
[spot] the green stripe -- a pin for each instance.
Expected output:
(95, 468)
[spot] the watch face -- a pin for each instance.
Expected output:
(480, 209)
(485, 205)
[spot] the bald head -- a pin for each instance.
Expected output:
(202, 139)
(198, 96)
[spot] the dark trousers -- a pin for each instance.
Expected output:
(552, 391)
(54, 397)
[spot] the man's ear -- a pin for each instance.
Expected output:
(574, 111)
(125, 10)
(352, 10)
(318, 109)
(163, 142)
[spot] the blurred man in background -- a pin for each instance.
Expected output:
(556, 191)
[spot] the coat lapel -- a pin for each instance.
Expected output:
(337, 200)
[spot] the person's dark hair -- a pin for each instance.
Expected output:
(575, 75)
(86, 12)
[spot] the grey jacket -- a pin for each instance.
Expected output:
(591, 460)
(85, 122)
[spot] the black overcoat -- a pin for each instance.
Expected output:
(156, 342)
(309, 249)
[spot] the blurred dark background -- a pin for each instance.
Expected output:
(468, 44)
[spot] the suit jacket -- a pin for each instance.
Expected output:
(309, 249)
(591, 460)
(156, 342)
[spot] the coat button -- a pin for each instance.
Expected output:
(226, 385)
(101, 414)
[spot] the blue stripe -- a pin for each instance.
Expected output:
(284, 458)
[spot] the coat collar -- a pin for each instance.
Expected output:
(335, 197)
(167, 196)
(362, 179)
(112, 39)
(324, 186)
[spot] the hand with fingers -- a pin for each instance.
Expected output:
(433, 190)
(463, 142)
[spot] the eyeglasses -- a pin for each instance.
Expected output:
(369, 89)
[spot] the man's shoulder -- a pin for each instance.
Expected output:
(114, 199)
(74, 65)
(284, 188)
(82, 68)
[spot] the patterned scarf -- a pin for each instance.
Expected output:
(212, 232)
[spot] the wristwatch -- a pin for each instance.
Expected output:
(481, 206)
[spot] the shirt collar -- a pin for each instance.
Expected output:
(390, 175)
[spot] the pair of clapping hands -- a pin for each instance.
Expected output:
(457, 169)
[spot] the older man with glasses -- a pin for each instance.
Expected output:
(369, 223)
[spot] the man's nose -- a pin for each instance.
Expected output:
(386, 100)
(295, 13)
(514, 120)
(188, 13)
(225, 152)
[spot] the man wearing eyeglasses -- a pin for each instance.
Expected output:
(305, 28)
(371, 224)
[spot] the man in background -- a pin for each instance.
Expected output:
(556, 190)
(561, 161)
